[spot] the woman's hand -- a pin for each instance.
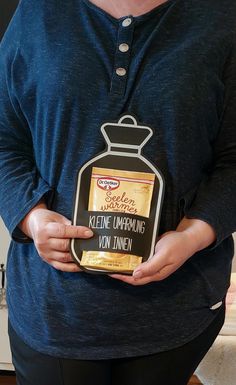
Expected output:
(51, 233)
(171, 251)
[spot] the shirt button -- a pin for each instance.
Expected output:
(123, 47)
(121, 71)
(126, 22)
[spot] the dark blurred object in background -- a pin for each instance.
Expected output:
(7, 8)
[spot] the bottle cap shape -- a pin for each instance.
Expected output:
(126, 133)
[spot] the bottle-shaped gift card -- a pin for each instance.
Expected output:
(119, 195)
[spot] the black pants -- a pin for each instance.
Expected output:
(173, 367)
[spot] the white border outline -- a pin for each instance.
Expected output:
(127, 154)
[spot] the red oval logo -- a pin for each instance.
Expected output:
(108, 183)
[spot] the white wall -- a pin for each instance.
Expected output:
(4, 242)
(5, 354)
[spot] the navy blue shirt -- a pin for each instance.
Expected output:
(58, 84)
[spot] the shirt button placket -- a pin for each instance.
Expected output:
(123, 47)
(122, 56)
(121, 71)
(126, 22)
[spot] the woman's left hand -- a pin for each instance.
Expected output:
(172, 250)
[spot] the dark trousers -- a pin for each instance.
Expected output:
(173, 367)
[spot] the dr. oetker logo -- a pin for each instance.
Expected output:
(108, 183)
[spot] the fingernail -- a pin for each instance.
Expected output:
(137, 274)
(88, 233)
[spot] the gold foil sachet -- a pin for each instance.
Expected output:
(119, 196)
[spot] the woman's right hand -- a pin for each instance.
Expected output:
(51, 233)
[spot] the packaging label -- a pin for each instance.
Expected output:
(118, 191)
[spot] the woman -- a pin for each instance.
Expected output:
(66, 67)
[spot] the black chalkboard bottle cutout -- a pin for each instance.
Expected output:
(119, 195)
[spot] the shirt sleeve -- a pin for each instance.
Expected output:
(21, 185)
(215, 200)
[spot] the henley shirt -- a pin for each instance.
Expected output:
(63, 73)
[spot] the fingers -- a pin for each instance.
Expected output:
(155, 268)
(51, 233)
(65, 267)
(56, 237)
(143, 280)
(131, 280)
(59, 244)
(53, 244)
(170, 254)
(61, 261)
(59, 230)
(154, 265)
(57, 256)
